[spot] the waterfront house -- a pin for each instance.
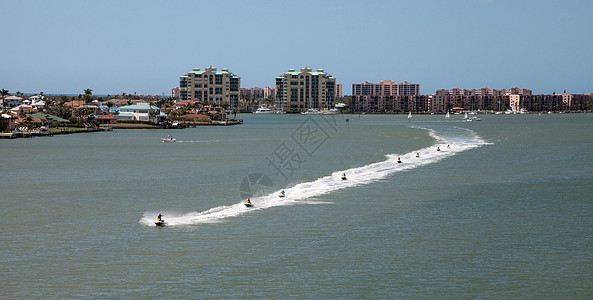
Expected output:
(92, 107)
(12, 101)
(51, 119)
(141, 112)
(35, 102)
(183, 104)
(105, 119)
(196, 118)
(74, 103)
(23, 108)
(28, 122)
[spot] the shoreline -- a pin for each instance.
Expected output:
(35, 133)
(110, 127)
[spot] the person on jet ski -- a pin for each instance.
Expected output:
(248, 201)
(158, 218)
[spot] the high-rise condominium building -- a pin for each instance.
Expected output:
(211, 85)
(269, 92)
(387, 96)
(299, 91)
(175, 92)
(385, 88)
(338, 90)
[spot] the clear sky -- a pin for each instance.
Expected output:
(61, 46)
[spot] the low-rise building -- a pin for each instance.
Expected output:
(11, 101)
(105, 119)
(141, 112)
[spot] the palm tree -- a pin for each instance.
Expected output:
(87, 95)
(4, 93)
(63, 99)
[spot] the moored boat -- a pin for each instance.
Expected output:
(263, 110)
(312, 111)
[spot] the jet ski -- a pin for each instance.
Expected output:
(399, 161)
(282, 194)
(159, 221)
(248, 203)
(344, 177)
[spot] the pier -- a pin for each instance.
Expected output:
(34, 133)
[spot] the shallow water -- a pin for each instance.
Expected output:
(506, 211)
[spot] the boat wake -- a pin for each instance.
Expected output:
(450, 141)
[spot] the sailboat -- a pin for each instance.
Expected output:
(465, 116)
(409, 116)
(447, 115)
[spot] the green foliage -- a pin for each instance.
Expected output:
(4, 123)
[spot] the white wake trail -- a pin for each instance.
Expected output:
(450, 143)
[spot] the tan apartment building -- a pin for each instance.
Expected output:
(299, 91)
(387, 96)
(385, 88)
(338, 90)
(478, 99)
(211, 85)
(269, 92)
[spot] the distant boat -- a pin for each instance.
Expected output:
(409, 116)
(263, 110)
(169, 139)
(465, 116)
(312, 111)
(447, 115)
(333, 111)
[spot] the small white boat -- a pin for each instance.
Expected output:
(312, 111)
(169, 139)
(333, 111)
(263, 110)
(447, 115)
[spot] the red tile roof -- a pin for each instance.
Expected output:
(106, 117)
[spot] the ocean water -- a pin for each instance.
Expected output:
(504, 210)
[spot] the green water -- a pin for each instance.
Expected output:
(505, 213)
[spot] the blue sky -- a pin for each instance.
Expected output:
(144, 46)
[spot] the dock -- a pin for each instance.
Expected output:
(34, 133)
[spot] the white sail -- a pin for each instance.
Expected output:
(409, 116)
(447, 115)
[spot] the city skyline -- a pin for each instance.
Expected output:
(114, 47)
